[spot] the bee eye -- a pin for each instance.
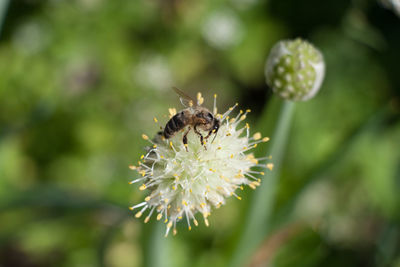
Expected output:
(210, 116)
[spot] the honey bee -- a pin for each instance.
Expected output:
(194, 115)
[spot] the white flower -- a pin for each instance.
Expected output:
(183, 182)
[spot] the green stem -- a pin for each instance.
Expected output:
(258, 218)
(157, 246)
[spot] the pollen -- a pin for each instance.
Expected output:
(270, 166)
(257, 136)
(172, 112)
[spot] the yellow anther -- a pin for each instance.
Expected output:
(190, 190)
(206, 222)
(142, 187)
(147, 198)
(243, 117)
(202, 204)
(232, 120)
(190, 228)
(184, 202)
(231, 156)
(241, 111)
(145, 137)
(219, 148)
(159, 216)
(174, 231)
(172, 111)
(248, 110)
(166, 220)
(143, 173)
(166, 200)
(142, 157)
(255, 145)
(173, 187)
(137, 215)
(154, 146)
(180, 217)
(257, 136)
(131, 208)
(270, 166)
(247, 126)
(147, 219)
(228, 134)
(238, 197)
(155, 120)
(252, 186)
(169, 225)
(241, 187)
(265, 139)
(195, 222)
(262, 173)
(132, 167)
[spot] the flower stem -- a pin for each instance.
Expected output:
(156, 248)
(258, 218)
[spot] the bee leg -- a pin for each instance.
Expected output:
(209, 134)
(185, 142)
(201, 137)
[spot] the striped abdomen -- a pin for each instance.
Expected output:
(176, 123)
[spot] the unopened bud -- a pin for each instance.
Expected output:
(295, 69)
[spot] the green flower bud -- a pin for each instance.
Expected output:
(295, 69)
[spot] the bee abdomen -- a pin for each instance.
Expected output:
(175, 124)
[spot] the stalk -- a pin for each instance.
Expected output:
(257, 221)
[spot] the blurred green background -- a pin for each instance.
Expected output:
(81, 80)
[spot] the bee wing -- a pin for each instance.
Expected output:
(186, 100)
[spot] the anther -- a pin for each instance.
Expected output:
(142, 187)
(270, 166)
(257, 136)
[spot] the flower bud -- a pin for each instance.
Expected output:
(295, 69)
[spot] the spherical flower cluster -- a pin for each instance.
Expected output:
(295, 70)
(183, 182)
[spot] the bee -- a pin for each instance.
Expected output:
(194, 115)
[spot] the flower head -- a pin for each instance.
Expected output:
(295, 69)
(183, 182)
